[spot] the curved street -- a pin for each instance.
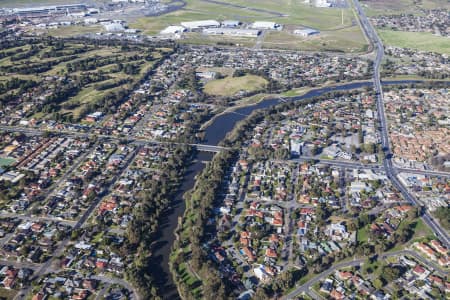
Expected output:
(306, 288)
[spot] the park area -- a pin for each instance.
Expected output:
(230, 86)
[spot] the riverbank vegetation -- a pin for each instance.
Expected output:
(144, 229)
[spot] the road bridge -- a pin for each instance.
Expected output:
(130, 139)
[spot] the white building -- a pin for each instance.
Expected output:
(359, 186)
(114, 27)
(200, 24)
(173, 29)
(232, 32)
(261, 273)
(231, 23)
(306, 32)
(321, 3)
(90, 21)
(265, 25)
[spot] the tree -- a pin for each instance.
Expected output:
(391, 273)
(378, 284)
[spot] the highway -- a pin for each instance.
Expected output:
(387, 162)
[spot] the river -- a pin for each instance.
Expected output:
(215, 133)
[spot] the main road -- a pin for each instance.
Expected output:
(387, 162)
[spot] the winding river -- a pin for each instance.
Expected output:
(215, 133)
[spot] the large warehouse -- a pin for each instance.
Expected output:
(173, 29)
(265, 25)
(200, 24)
(306, 32)
(232, 32)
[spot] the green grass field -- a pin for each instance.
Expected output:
(362, 234)
(229, 86)
(421, 229)
(195, 38)
(6, 161)
(346, 40)
(295, 14)
(298, 13)
(68, 31)
(338, 26)
(416, 40)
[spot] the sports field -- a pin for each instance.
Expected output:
(229, 86)
(6, 162)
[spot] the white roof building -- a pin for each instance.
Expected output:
(265, 25)
(200, 24)
(232, 32)
(90, 20)
(261, 274)
(173, 29)
(231, 23)
(306, 32)
(113, 27)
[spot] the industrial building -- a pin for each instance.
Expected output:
(231, 23)
(321, 3)
(200, 24)
(49, 9)
(265, 25)
(114, 27)
(173, 29)
(306, 32)
(232, 32)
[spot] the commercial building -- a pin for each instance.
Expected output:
(173, 29)
(306, 32)
(321, 3)
(232, 32)
(265, 25)
(47, 10)
(231, 23)
(114, 27)
(200, 24)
